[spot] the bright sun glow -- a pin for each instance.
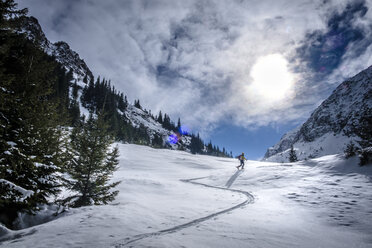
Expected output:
(271, 78)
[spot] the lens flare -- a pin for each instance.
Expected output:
(176, 137)
(173, 138)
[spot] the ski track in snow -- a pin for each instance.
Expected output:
(249, 200)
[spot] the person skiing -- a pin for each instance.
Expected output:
(241, 159)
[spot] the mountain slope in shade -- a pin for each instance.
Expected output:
(71, 61)
(60, 50)
(333, 124)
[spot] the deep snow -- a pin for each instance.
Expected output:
(176, 199)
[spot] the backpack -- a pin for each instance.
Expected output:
(239, 157)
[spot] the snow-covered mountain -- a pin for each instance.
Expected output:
(71, 60)
(60, 50)
(332, 125)
(139, 117)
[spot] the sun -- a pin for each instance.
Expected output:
(271, 78)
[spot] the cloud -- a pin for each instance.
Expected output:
(327, 56)
(323, 50)
(193, 59)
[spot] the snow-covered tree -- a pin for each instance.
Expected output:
(292, 155)
(29, 140)
(350, 150)
(92, 163)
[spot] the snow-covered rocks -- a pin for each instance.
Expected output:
(60, 50)
(139, 117)
(333, 124)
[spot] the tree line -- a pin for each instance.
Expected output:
(46, 144)
(99, 94)
(39, 154)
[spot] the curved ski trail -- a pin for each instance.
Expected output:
(250, 199)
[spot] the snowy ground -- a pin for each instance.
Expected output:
(175, 199)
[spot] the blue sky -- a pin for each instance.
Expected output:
(240, 73)
(252, 142)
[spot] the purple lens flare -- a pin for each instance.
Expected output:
(173, 138)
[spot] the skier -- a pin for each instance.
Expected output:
(241, 158)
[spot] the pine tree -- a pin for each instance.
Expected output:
(62, 86)
(292, 155)
(179, 124)
(157, 141)
(74, 107)
(126, 100)
(9, 13)
(137, 104)
(160, 117)
(29, 140)
(122, 104)
(210, 148)
(365, 127)
(196, 145)
(166, 122)
(365, 135)
(92, 164)
(350, 150)
(87, 97)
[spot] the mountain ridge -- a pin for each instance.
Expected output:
(60, 49)
(332, 125)
(157, 133)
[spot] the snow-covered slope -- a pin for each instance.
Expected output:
(285, 142)
(72, 61)
(176, 199)
(140, 117)
(332, 125)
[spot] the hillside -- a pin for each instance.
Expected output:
(129, 122)
(60, 50)
(176, 199)
(81, 166)
(334, 124)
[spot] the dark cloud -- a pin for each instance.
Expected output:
(202, 30)
(193, 59)
(323, 50)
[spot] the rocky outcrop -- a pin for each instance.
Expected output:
(338, 116)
